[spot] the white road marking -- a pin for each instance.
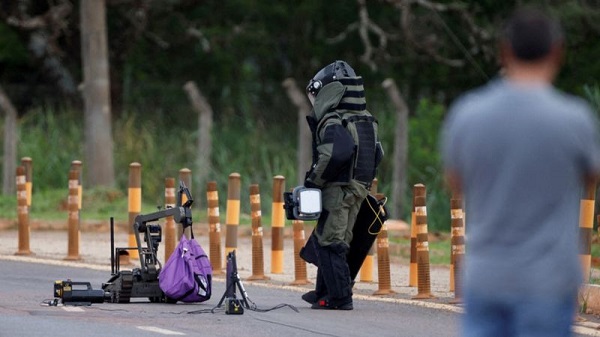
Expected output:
(586, 331)
(160, 330)
(49, 261)
(72, 309)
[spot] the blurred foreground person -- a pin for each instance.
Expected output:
(520, 151)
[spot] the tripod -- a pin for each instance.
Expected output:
(234, 305)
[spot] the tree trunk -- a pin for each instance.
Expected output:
(205, 122)
(9, 158)
(96, 94)
(400, 148)
(301, 102)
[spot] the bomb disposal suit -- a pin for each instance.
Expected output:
(346, 153)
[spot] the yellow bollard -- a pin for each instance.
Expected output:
(277, 225)
(185, 175)
(22, 213)
(586, 224)
(76, 165)
(457, 253)
(384, 278)
(258, 260)
(27, 163)
(170, 231)
(424, 281)
(214, 227)
(366, 270)
(232, 220)
(413, 276)
(134, 203)
(299, 264)
(73, 223)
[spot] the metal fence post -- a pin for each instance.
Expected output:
(22, 213)
(457, 245)
(586, 224)
(423, 271)
(170, 230)
(232, 220)
(258, 259)
(384, 278)
(277, 225)
(73, 223)
(300, 274)
(27, 163)
(134, 203)
(214, 227)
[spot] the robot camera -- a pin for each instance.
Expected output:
(155, 232)
(77, 293)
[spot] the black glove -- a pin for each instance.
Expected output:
(307, 182)
(310, 184)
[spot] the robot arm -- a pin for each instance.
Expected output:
(181, 213)
(177, 213)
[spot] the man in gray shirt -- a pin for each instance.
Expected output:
(520, 151)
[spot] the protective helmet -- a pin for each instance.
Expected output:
(333, 72)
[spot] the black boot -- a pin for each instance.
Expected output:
(333, 304)
(320, 290)
(336, 277)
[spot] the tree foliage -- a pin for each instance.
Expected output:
(239, 51)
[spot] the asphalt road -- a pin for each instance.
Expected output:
(24, 288)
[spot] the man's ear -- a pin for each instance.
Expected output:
(557, 53)
(505, 53)
(554, 60)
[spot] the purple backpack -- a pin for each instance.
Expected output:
(187, 275)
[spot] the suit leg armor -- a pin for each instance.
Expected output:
(336, 277)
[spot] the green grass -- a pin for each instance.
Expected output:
(8, 206)
(439, 252)
(54, 138)
(439, 249)
(99, 204)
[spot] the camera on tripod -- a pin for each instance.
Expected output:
(233, 305)
(302, 203)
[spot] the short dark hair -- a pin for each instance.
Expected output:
(531, 34)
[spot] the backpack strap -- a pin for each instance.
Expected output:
(358, 118)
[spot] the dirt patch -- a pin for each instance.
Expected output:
(8, 224)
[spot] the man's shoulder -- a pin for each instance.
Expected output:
(332, 117)
(571, 102)
(468, 107)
